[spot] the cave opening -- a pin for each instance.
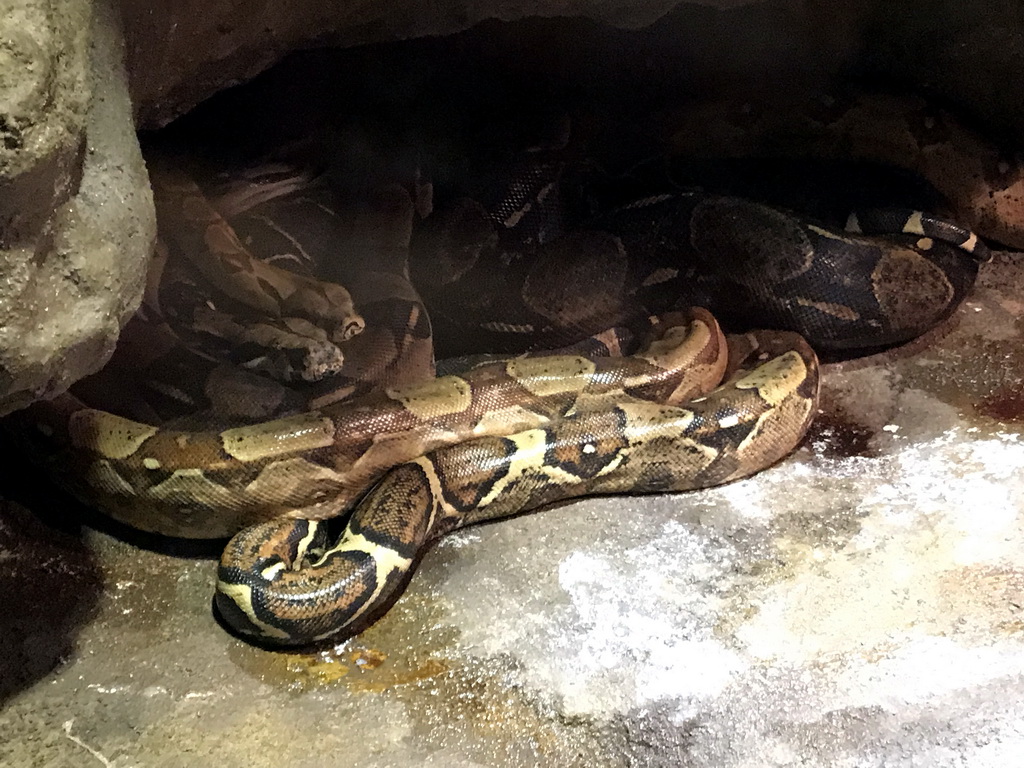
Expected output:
(797, 611)
(505, 111)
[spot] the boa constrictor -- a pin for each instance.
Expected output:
(881, 278)
(284, 583)
(317, 463)
(538, 428)
(599, 252)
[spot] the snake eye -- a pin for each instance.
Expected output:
(353, 327)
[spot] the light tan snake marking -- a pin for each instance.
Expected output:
(504, 437)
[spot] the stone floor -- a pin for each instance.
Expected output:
(861, 604)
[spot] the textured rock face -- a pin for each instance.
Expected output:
(181, 52)
(76, 218)
(970, 59)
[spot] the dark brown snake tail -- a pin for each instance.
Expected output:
(281, 583)
(906, 221)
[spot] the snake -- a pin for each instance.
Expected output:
(315, 464)
(412, 456)
(880, 278)
(286, 584)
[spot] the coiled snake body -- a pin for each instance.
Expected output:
(618, 444)
(418, 456)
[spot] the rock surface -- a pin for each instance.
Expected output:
(968, 59)
(183, 51)
(76, 211)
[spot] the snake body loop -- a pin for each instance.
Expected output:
(317, 463)
(284, 584)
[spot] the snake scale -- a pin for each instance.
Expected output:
(413, 456)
